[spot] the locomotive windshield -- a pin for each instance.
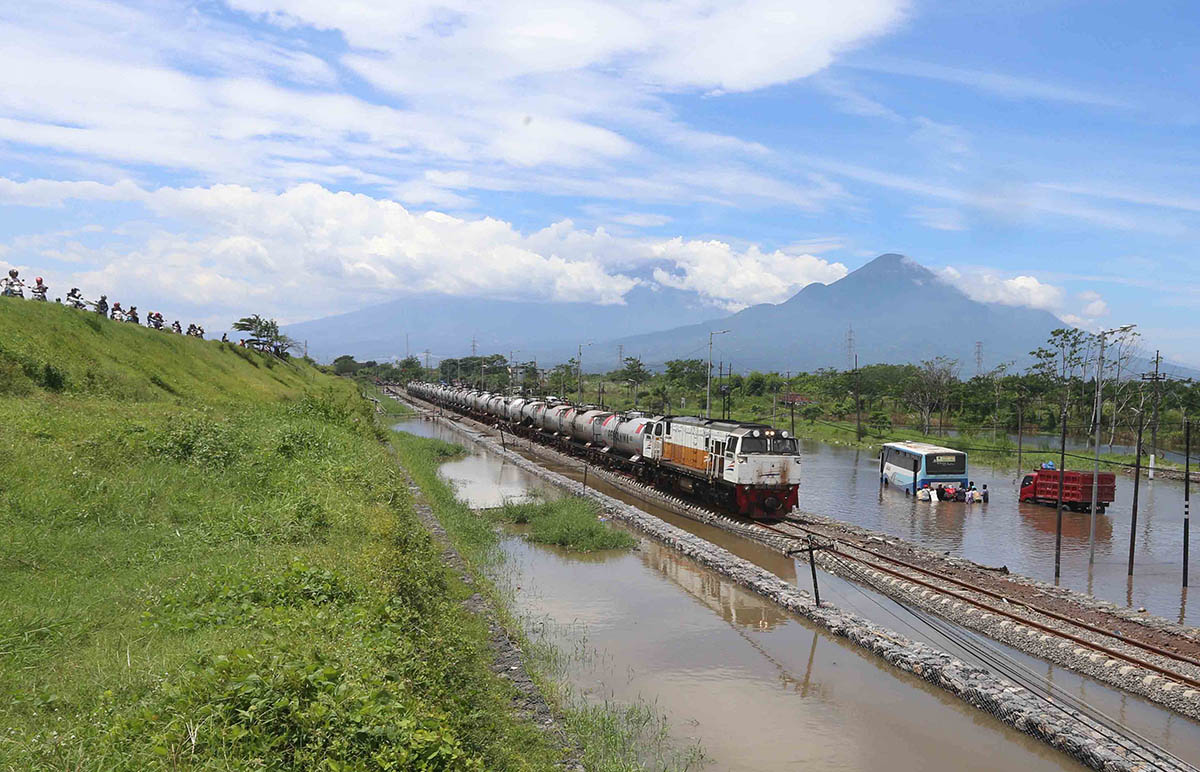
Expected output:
(781, 445)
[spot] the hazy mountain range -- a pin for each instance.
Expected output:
(898, 310)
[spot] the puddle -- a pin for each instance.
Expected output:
(480, 479)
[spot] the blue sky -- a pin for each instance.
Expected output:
(301, 157)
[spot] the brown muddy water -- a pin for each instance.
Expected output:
(757, 687)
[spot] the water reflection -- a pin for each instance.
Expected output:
(843, 483)
(480, 479)
(759, 688)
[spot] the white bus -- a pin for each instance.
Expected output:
(910, 465)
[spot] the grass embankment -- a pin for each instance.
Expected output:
(211, 561)
(609, 737)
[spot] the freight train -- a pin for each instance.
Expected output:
(747, 468)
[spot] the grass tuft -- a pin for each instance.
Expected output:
(571, 522)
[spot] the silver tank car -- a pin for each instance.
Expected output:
(531, 409)
(627, 437)
(584, 423)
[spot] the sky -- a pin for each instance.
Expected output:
(300, 158)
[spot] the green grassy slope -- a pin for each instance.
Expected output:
(211, 562)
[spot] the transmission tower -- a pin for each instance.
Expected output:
(979, 357)
(850, 352)
(426, 359)
(472, 345)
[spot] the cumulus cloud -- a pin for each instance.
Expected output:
(740, 278)
(1016, 291)
(309, 251)
(1079, 310)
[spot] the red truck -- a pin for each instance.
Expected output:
(1041, 487)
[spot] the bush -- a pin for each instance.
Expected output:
(198, 440)
(287, 710)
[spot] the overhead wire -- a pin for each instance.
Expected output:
(989, 655)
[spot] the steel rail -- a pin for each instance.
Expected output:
(1015, 601)
(1166, 672)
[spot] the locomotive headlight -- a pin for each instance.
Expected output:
(757, 433)
(783, 433)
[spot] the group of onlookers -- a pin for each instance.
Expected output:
(14, 287)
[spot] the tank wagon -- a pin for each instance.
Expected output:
(748, 468)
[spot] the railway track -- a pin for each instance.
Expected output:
(904, 581)
(937, 581)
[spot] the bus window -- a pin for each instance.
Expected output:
(945, 463)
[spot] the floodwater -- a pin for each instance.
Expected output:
(844, 483)
(758, 687)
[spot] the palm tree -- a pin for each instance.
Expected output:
(265, 334)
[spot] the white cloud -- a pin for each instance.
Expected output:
(1017, 291)
(310, 251)
(939, 218)
(1094, 305)
(985, 286)
(740, 278)
(530, 96)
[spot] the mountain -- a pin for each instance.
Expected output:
(446, 325)
(900, 312)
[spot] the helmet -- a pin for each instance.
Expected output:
(104, 297)
(12, 272)
(39, 280)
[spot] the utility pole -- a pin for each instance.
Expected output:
(1187, 494)
(580, 362)
(1156, 378)
(1137, 479)
(708, 384)
(1099, 408)
(857, 403)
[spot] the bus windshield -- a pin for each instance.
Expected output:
(945, 463)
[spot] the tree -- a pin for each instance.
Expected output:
(811, 412)
(928, 388)
(635, 374)
(265, 335)
(879, 422)
(755, 384)
(345, 365)
(689, 373)
(410, 369)
(662, 397)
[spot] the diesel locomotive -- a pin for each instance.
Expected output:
(746, 468)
